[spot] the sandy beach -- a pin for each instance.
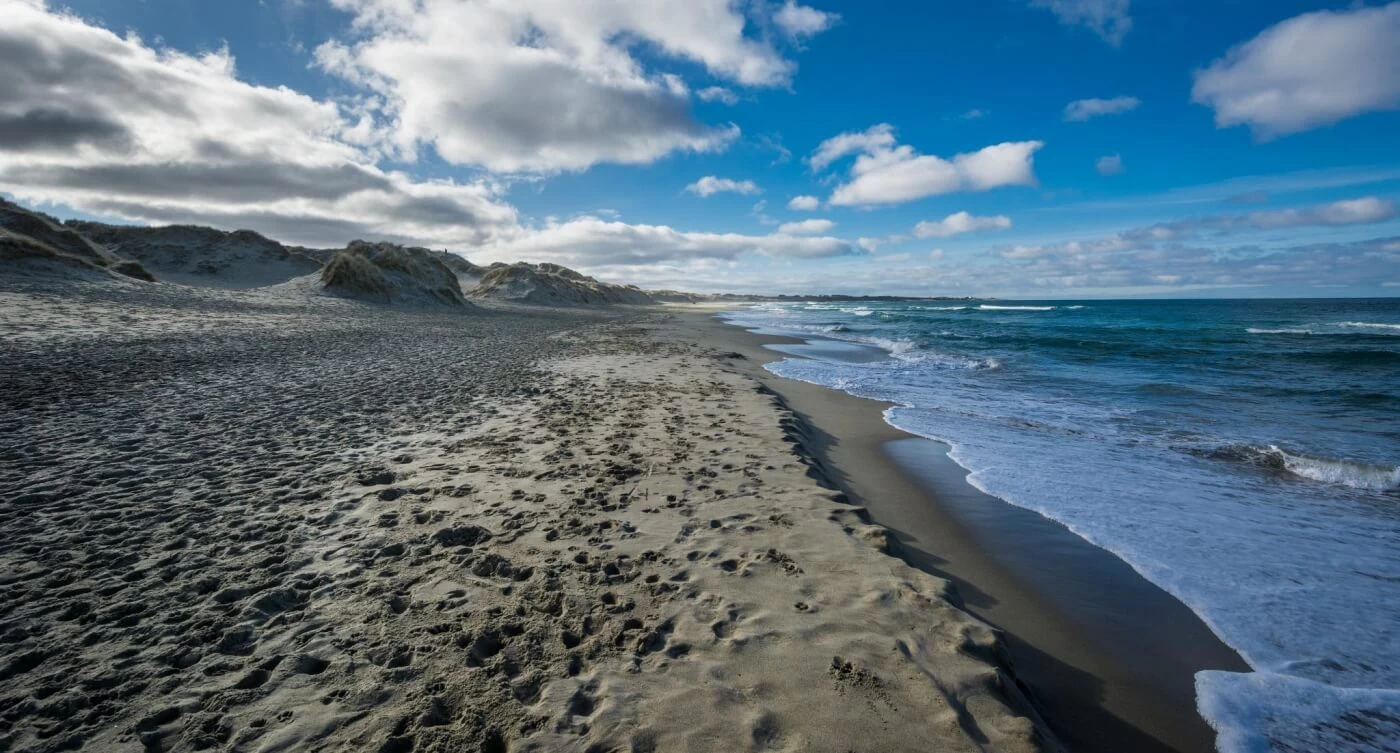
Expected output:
(239, 521)
(699, 376)
(1108, 657)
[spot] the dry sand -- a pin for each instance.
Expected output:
(236, 522)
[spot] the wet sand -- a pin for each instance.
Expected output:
(1108, 657)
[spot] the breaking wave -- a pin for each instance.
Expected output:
(1375, 478)
(1376, 327)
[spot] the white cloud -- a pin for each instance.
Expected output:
(1024, 252)
(875, 138)
(718, 94)
(1366, 210)
(760, 215)
(959, 223)
(936, 254)
(1107, 18)
(1065, 271)
(711, 185)
(806, 227)
(545, 85)
(774, 142)
(801, 21)
(871, 244)
(1142, 266)
(974, 114)
(110, 125)
(593, 243)
(804, 203)
(1083, 109)
(1311, 70)
(1363, 211)
(888, 173)
(1110, 164)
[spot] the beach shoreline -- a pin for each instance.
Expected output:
(257, 521)
(1108, 657)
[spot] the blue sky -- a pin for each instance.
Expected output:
(550, 131)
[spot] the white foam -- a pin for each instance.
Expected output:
(1250, 712)
(1284, 331)
(1355, 475)
(895, 347)
(989, 307)
(1382, 327)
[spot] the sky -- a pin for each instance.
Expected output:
(1010, 148)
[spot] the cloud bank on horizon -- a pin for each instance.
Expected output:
(630, 138)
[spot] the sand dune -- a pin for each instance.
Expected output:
(34, 244)
(468, 274)
(384, 273)
(205, 257)
(553, 285)
(242, 260)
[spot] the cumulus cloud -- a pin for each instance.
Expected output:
(886, 172)
(1081, 110)
(111, 125)
(548, 85)
(807, 227)
(114, 126)
(594, 243)
(876, 138)
(799, 21)
(1110, 164)
(711, 185)
(804, 203)
(1107, 18)
(959, 223)
(1311, 70)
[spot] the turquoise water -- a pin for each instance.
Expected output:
(1243, 455)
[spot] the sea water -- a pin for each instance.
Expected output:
(1243, 455)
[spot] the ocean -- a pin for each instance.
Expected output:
(1244, 455)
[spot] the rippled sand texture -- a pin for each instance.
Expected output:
(238, 522)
